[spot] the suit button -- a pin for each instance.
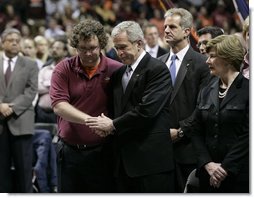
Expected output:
(216, 125)
(216, 113)
(216, 136)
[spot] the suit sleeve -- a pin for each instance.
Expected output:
(24, 100)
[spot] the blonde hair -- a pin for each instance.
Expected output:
(229, 48)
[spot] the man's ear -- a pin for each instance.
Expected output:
(187, 32)
(140, 44)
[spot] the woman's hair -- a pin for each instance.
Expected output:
(86, 30)
(229, 48)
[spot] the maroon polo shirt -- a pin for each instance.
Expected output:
(69, 83)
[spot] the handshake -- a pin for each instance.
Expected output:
(101, 125)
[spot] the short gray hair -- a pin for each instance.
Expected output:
(186, 16)
(8, 31)
(133, 30)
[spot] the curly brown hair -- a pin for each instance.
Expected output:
(85, 30)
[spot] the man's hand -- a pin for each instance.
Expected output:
(6, 109)
(102, 125)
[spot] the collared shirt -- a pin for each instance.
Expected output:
(6, 64)
(152, 51)
(135, 64)
(70, 83)
(179, 60)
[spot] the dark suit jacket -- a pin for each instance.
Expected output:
(21, 91)
(192, 75)
(221, 131)
(161, 51)
(142, 118)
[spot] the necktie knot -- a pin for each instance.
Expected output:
(128, 70)
(126, 76)
(173, 57)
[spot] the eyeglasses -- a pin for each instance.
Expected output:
(201, 43)
(91, 49)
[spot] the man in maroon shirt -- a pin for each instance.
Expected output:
(80, 88)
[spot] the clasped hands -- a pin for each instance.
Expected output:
(6, 109)
(216, 172)
(101, 125)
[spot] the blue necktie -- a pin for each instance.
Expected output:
(173, 68)
(126, 77)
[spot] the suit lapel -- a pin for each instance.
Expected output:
(135, 76)
(165, 57)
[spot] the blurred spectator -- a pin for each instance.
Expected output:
(53, 29)
(58, 6)
(105, 12)
(110, 50)
(151, 35)
(42, 46)
(206, 34)
(9, 19)
(28, 49)
(158, 20)
(44, 111)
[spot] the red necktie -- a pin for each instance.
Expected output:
(8, 72)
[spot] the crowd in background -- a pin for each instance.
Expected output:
(57, 17)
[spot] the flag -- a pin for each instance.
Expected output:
(242, 8)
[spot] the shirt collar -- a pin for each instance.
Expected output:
(135, 64)
(154, 49)
(14, 59)
(181, 53)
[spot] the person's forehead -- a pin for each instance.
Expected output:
(92, 39)
(206, 36)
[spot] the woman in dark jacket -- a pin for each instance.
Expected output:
(221, 127)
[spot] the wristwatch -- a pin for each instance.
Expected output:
(180, 134)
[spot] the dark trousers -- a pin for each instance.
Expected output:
(154, 183)
(83, 171)
(15, 151)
